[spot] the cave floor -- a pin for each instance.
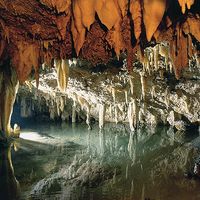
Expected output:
(66, 161)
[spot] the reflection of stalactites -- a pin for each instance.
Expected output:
(9, 186)
(132, 190)
(101, 142)
(101, 115)
(170, 133)
(143, 192)
(132, 147)
(116, 113)
(126, 171)
(89, 141)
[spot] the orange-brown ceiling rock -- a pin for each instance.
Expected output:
(59, 5)
(95, 29)
(25, 57)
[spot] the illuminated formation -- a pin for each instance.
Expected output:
(36, 32)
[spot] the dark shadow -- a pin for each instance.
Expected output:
(9, 186)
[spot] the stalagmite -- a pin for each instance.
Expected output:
(16, 130)
(101, 115)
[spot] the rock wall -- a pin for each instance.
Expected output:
(153, 97)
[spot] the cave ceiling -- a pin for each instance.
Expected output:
(33, 32)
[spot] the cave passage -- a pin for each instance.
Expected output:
(99, 99)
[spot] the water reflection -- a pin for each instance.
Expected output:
(9, 186)
(72, 162)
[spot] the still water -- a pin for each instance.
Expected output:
(65, 161)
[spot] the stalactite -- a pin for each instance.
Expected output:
(126, 96)
(156, 57)
(74, 112)
(101, 115)
(132, 114)
(24, 58)
(131, 85)
(58, 106)
(185, 4)
(107, 12)
(85, 105)
(113, 94)
(62, 68)
(197, 58)
(88, 118)
(23, 107)
(164, 51)
(166, 97)
(62, 104)
(136, 13)
(141, 116)
(153, 13)
(9, 88)
(153, 91)
(145, 62)
(143, 84)
(116, 113)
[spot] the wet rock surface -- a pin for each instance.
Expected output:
(137, 98)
